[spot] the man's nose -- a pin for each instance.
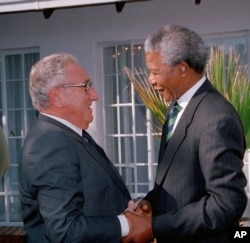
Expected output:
(93, 94)
(151, 79)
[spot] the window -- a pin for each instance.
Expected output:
(237, 42)
(129, 141)
(17, 112)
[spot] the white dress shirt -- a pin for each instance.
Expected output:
(186, 97)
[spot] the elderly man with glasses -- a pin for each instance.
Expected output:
(70, 190)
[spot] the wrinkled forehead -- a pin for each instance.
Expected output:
(77, 72)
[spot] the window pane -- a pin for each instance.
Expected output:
(1, 105)
(128, 175)
(13, 181)
(123, 56)
(16, 123)
(124, 90)
(112, 149)
(156, 147)
(143, 189)
(27, 95)
(1, 115)
(29, 60)
(137, 99)
(126, 120)
(1, 184)
(237, 45)
(2, 209)
(213, 42)
(110, 90)
(142, 174)
(15, 146)
(15, 209)
(127, 156)
(109, 62)
(154, 169)
(13, 67)
(140, 119)
(111, 123)
(141, 149)
(139, 57)
(14, 94)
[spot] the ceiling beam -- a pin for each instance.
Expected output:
(47, 12)
(119, 6)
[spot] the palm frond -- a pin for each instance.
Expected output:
(152, 100)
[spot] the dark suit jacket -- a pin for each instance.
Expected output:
(199, 188)
(69, 192)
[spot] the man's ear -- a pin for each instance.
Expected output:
(55, 97)
(183, 67)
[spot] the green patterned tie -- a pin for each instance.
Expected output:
(172, 117)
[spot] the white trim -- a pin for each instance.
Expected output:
(27, 5)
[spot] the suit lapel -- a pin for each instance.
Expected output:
(164, 135)
(107, 165)
(171, 149)
(180, 133)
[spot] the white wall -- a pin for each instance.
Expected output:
(78, 30)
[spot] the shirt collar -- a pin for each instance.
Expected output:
(187, 96)
(66, 123)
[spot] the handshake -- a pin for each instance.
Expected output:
(140, 222)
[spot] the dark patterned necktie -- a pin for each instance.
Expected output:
(86, 136)
(171, 121)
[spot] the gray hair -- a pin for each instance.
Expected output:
(178, 44)
(45, 74)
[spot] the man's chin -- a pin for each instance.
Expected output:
(90, 120)
(167, 97)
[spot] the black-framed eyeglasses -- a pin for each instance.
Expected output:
(87, 86)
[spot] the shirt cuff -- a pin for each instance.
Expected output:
(124, 225)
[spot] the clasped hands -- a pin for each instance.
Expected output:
(139, 216)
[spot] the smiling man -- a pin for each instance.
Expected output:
(70, 191)
(199, 186)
